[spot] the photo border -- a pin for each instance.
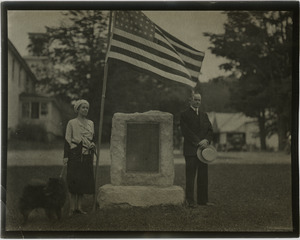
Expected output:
(166, 5)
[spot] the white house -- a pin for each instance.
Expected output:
(227, 126)
(25, 106)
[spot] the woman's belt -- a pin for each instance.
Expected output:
(78, 144)
(89, 150)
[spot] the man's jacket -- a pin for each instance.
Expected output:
(194, 128)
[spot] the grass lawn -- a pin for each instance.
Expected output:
(248, 198)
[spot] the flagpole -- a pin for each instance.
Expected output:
(102, 110)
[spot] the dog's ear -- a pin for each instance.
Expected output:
(46, 191)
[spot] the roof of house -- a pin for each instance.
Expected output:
(228, 122)
(20, 59)
(36, 57)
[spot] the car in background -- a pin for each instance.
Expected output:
(236, 142)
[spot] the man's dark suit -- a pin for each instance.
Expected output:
(195, 128)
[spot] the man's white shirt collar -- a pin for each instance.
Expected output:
(195, 109)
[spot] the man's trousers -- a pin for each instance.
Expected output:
(194, 165)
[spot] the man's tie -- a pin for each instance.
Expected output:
(197, 111)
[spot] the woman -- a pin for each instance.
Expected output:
(78, 155)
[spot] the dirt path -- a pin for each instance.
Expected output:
(45, 157)
(54, 157)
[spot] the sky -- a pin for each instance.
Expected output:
(188, 26)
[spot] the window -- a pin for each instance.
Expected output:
(25, 109)
(44, 109)
(35, 110)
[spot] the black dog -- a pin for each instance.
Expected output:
(50, 196)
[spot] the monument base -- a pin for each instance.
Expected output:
(139, 196)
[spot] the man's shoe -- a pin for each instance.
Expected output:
(72, 212)
(81, 211)
(192, 205)
(206, 204)
(210, 204)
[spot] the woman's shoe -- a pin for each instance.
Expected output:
(72, 212)
(79, 211)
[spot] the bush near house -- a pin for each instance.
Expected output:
(31, 132)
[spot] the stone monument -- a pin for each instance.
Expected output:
(142, 166)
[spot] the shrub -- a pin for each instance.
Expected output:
(31, 132)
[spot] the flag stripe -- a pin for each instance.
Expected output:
(148, 49)
(196, 55)
(191, 61)
(159, 61)
(195, 79)
(162, 41)
(165, 48)
(152, 62)
(180, 43)
(193, 65)
(152, 71)
(189, 54)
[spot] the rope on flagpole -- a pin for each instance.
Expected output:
(102, 111)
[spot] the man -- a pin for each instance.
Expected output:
(197, 131)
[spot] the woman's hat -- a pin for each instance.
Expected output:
(78, 103)
(207, 154)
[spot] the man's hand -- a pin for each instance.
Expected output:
(65, 161)
(203, 143)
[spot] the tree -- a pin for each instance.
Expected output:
(258, 46)
(77, 49)
(216, 95)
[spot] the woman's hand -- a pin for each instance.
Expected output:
(65, 160)
(92, 145)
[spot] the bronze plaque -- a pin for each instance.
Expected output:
(142, 147)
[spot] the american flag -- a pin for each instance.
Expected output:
(138, 41)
